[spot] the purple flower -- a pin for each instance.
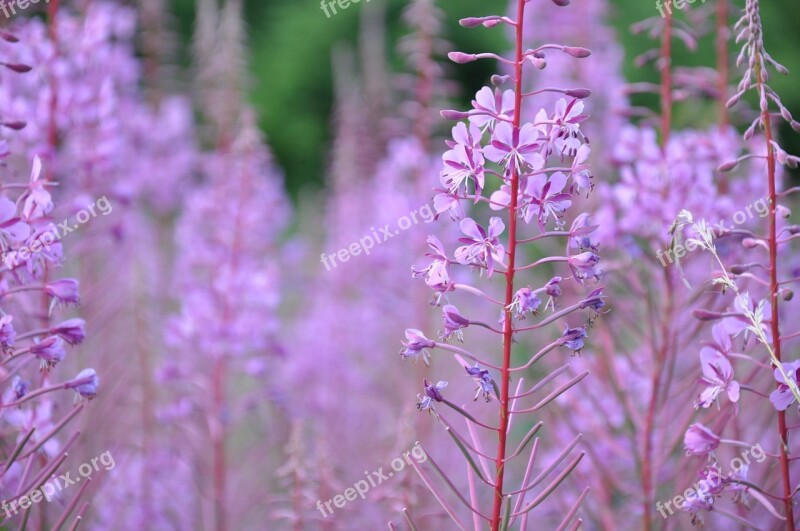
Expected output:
(437, 274)
(699, 440)
(72, 330)
(484, 381)
(7, 332)
(525, 300)
(581, 231)
(64, 290)
(572, 338)
(491, 105)
(415, 344)
(453, 322)
(717, 377)
(581, 173)
(544, 197)
(50, 351)
(553, 287)
(461, 165)
(515, 148)
(11, 226)
(19, 387)
(782, 397)
(85, 383)
(433, 393)
(584, 266)
(38, 203)
(563, 128)
(482, 249)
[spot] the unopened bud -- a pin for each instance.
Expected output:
(706, 315)
(786, 294)
(17, 67)
(575, 51)
(579, 93)
(454, 115)
(462, 58)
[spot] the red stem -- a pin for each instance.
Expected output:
(512, 252)
(666, 80)
(662, 354)
(722, 62)
(773, 295)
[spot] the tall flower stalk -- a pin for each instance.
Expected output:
(758, 318)
(539, 166)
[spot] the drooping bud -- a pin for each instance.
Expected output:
(462, 58)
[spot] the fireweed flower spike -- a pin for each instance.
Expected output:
(537, 161)
(753, 321)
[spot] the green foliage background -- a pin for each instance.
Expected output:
(291, 43)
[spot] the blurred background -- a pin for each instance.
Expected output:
(291, 64)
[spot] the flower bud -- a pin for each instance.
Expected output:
(85, 383)
(462, 58)
(578, 52)
(579, 93)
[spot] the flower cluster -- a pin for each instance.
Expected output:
(529, 172)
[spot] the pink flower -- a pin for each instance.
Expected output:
(437, 274)
(544, 197)
(490, 106)
(64, 290)
(453, 322)
(482, 249)
(515, 148)
(415, 344)
(462, 165)
(699, 440)
(717, 377)
(782, 397)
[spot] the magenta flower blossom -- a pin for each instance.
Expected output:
(453, 323)
(782, 397)
(584, 266)
(85, 383)
(491, 106)
(545, 198)
(7, 332)
(563, 127)
(437, 274)
(11, 226)
(572, 338)
(72, 330)
(486, 385)
(717, 377)
(483, 249)
(581, 173)
(433, 393)
(65, 290)
(49, 351)
(415, 344)
(699, 440)
(462, 165)
(515, 148)
(525, 300)
(38, 203)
